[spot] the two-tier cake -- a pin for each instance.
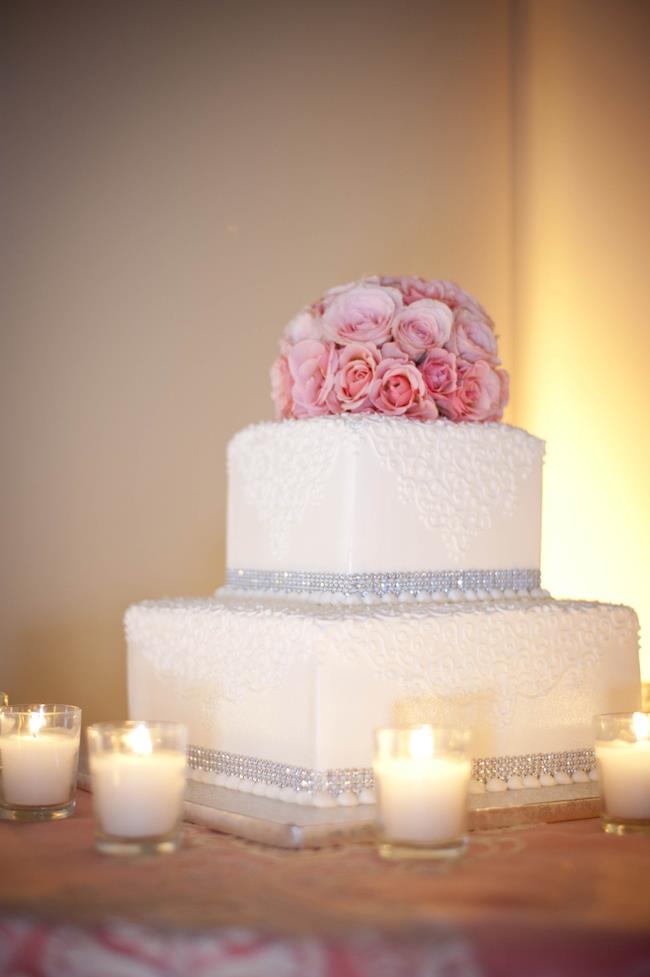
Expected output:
(383, 567)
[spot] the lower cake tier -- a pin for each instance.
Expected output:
(281, 698)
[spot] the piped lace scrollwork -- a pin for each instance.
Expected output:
(459, 478)
(494, 654)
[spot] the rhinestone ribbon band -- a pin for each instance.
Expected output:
(338, 782)
(384, 584)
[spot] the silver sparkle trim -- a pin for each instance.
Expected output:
(355, 780)
(300, 779)
(382, 584)
(532, 765)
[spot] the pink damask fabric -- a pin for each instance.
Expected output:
(559, 900)
(122, 950)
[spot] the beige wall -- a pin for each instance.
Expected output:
(181, 179)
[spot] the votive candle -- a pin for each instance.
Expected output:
(623, 760)
(422, 778)
(138, 773)
(39, 747)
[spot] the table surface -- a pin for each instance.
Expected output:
(538, 900)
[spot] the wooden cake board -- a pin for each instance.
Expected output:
(272, 822)
(283, 825)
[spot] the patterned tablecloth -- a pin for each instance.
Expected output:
(560, 900)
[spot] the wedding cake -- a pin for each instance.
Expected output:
(383, 568)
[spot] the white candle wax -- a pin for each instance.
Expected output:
(38, 770)
(624, 773)
(138, 795)
(423, 800)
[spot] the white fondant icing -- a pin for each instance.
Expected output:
(547, 780)
(371, 493)
(580, 777)
(562, 777)
(515, 783)
(496, 786)
(593, 774)
(530, 782)
(527, 675)
(476, 787)
(321, 799)
(347, 799)
(367, 797)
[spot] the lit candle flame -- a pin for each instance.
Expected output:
(641, 725)
(36, 722)
(139, 740)
(421, 743)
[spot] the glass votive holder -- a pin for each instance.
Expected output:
(422, 776)
(623, 761)
(138, 772)
(39, 756)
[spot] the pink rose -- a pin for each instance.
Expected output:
(472, 337)
(363, 314)
(392, 351)
(439, 372)
(424, 409)
(281, 383)
(303, 326)
(421, 326)
(398, 388)
(414, 288)
(504, 380)
(357, 366)
(313, 368)
(481, 393)
(324, 302)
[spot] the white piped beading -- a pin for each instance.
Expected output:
(348, 787)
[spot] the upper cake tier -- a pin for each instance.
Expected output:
(373, 494)
(388, 476)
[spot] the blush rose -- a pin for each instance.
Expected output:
(313, 365)
(361, 315)
(305, 325)
(398, 388)
(357, 365)
(414, 288)
(439, 373)
(281, 384)
(481, 393)
(421, 326)
(472, 337)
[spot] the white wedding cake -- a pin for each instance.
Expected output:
(383, 568)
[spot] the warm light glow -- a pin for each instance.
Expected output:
(36, 722)
(139, 740)
(580, 377)
(641, 725)
(421, 743)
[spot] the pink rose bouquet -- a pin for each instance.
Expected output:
(397, 346)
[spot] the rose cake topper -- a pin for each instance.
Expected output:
(397, 346)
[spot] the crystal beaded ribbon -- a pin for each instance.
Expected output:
(337, 782)
(384, 584)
